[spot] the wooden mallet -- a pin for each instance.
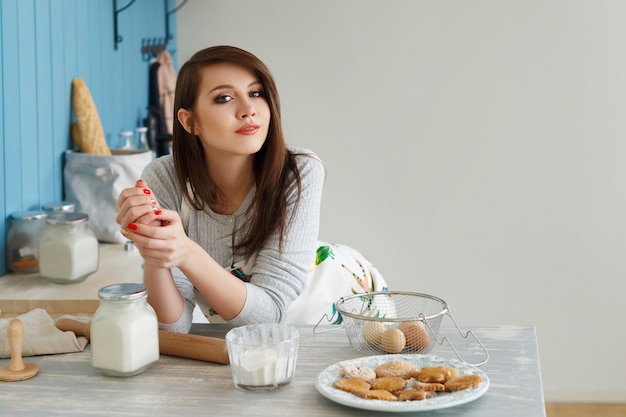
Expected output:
(17, 369)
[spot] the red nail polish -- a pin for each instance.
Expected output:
(157, 212)
(132, 226)
(146, 191)
(137, 183)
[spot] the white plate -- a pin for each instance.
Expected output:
(327, 377)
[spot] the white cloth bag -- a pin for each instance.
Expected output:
(94, 182)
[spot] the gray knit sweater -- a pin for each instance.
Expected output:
(277, 277)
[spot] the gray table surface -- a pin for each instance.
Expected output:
(67, 385)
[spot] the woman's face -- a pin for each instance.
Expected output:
(232, 115)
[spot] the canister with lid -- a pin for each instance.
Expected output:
(58, 206)
(23, 239)
(68, 251)
(124, 331)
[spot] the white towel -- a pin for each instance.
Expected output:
(41, 336)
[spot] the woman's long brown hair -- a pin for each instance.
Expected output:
(274, 165)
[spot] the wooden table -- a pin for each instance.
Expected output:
(67, 385)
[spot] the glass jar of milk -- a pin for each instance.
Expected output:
(124, 331)
(68, 250)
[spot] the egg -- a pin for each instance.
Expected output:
(405, 324)
(393, 340)
(372, 331)
(416, 337)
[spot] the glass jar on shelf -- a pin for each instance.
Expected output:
(58, 206)
(68, 250)
(23, 239)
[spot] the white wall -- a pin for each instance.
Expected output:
(475, 151)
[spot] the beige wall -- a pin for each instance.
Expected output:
(475, 151)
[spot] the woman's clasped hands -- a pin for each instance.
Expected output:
(157, 233)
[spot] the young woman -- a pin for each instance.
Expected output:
(231, 218)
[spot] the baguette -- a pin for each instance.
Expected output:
(88, 133)
(76, 135)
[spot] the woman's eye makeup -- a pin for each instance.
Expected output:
(223, 98)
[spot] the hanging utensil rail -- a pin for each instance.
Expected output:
(149, 46)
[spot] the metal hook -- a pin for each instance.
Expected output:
(167, 19)
(117, 38)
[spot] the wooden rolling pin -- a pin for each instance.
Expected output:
(203, 348)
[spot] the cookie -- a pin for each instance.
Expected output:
(396, 368)
(388, 383)
(460, 383)
(427, 386)
(357, 372)
(439, 374)
(353, 386)
(414, 395)
(378, 394)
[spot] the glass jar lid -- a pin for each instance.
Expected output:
(58, 206)
(63, 218)
(122, 292)
(28, 215)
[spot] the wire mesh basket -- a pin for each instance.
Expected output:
(395, 322)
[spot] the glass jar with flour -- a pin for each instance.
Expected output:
(68, 250)
(124, 331)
